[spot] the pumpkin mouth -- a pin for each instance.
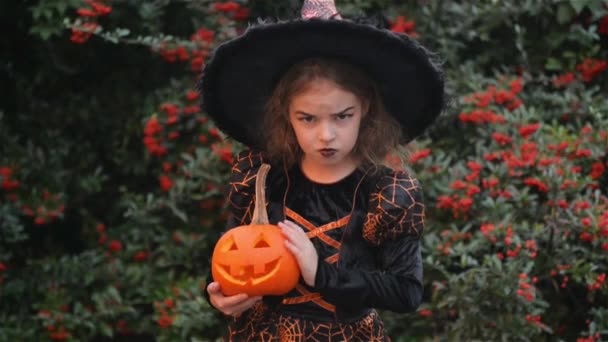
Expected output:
(253, 274)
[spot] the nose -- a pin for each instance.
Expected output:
(327, 132)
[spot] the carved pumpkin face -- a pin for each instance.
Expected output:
(253, 260)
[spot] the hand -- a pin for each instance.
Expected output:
(231, 305)
(298, 243)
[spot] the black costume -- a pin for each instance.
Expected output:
(365, 228)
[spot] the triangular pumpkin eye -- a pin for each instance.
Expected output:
(261, 243)
(230, 245)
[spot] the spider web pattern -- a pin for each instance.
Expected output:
(263, 324)
(395, 208)
(242, 185)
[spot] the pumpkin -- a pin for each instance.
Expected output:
(253, 259)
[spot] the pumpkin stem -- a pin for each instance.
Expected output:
(260, 216)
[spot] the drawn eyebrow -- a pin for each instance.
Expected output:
(341, 112)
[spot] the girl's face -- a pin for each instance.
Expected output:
(326, 119)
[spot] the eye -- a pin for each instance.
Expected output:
(261, 243)
(230, 245)
(306, 118)
(343, 116)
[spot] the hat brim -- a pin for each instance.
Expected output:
(241, 74)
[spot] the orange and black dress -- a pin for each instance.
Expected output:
(365, 228)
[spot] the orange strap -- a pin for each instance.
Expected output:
(319, 231)
(313, 231)
(332, 259)
(308, 296)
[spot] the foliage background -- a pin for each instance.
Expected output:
(111, 179)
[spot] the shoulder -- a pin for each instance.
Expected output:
(241, 183)
(245, 168)
(398, 188)
(395, 207)
(248, 160)
(244, 172)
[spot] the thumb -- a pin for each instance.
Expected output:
(213, 287)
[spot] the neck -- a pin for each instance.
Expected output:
(327, 173)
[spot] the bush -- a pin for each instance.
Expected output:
(111, 179)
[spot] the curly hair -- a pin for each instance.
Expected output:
(379, 132)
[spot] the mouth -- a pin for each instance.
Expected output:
(250, 273)
(327, 152)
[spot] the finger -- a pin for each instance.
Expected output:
(288, 231)
(222, 302)
(230, 301)
(295, 229)
(215, 295)
(298, 230)
(236, 310)
(298, 241)
(244, 306)
(293, 238)
(294, 225)
(213, 287)
(292, 248)
(287, 224)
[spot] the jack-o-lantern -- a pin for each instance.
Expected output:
(253, 259)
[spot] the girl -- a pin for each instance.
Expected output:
(323, 101)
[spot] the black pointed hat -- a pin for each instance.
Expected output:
(241, 74)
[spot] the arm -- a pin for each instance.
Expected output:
(395, 222)
(240, 206)
(397, 288)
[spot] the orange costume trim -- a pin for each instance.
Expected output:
(314, 231)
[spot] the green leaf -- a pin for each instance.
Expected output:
(123, 32)
(179, 213)
(61, 7)
(564, 13)
(579, 5)
(47, 13)
(553, 64)
(106, 330)
(113, 293)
